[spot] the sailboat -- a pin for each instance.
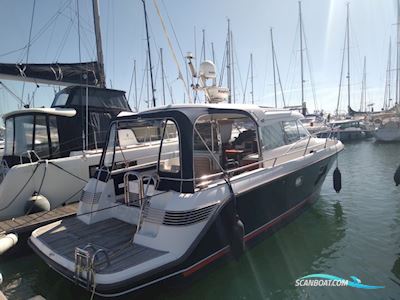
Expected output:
(349, 129)
(314, 123)
(388, 129)
(50, 153)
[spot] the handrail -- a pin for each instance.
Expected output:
(126, 185)
(293, 145)
(211, 176)
(142, 192)
(308, 142)
(29, 153)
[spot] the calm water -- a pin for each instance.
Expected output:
(356, 232)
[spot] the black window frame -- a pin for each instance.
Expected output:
(47, 123)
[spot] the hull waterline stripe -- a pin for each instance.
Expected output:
(220, 253)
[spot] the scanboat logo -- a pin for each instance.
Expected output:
(331, 280)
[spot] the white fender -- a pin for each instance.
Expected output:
(7, 242)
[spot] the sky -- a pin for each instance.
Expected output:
(372, 25)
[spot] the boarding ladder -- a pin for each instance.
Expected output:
(86, 265)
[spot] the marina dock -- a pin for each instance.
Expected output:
(24, 225)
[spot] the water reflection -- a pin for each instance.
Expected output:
(270, 269)
(356, 232)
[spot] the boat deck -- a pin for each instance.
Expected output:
(112, 235)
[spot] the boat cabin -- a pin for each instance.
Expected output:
(77, 120)
(343, 124)
(201, 143)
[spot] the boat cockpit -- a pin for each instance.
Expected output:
(198, 146)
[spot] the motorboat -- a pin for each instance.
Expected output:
(388, 130)
(314, 123)
(224, 175)
(346, 130)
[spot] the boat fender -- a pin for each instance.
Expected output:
(337, 180)
(237, 238)
(37, 203)
(7, 242)
(397, 176)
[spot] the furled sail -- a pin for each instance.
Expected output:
(86, 73)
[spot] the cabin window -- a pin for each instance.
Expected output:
(100, 98)
(99, 123)
(109, 155)
(140, 133)
(224, 142)
(302, 131)
(170, 149)
(54, 138)
(23, 134)
(36, 132)
(9, 145)
(208, 137)
(272, 136)
(147, 134)
(41, 145)
(291, 131)
(294, 131)
(60, 99)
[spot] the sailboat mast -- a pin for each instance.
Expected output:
(233, 69)
(301, 55)
(348, 57)
(147, 82)
(397, 52)
(213, 59)
(252, 76)
(149, 54)
(388, 78)
(136, 95)
(162, 74)
(99, 47)
(228, 62)
(204, 44)
(273, 65)
(363, 103)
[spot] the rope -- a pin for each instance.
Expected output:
(33, 173)
(79, 32)
(41, 31)
(66, 171)
(94, 284)
(40, 187)
(26, 183)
